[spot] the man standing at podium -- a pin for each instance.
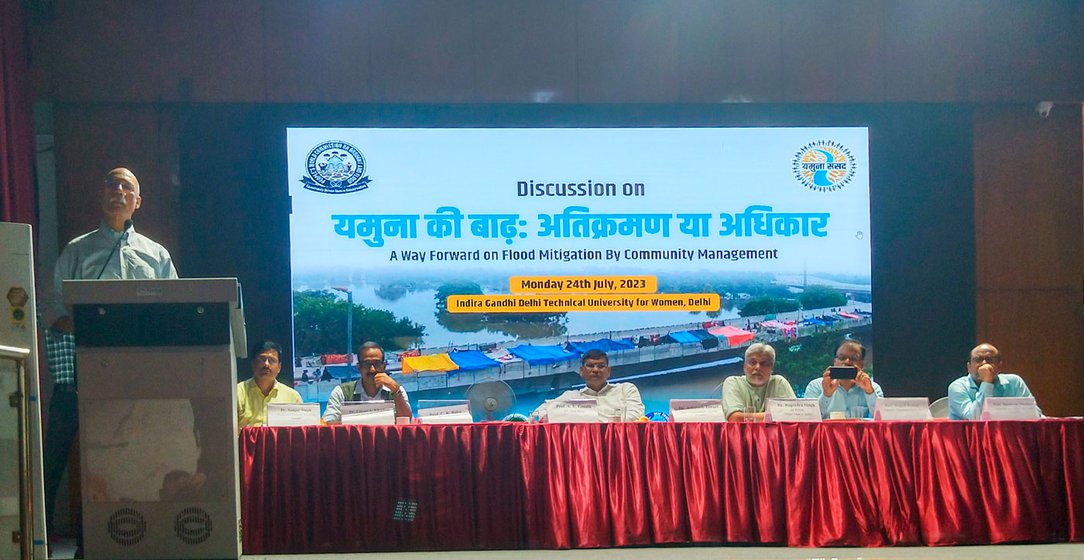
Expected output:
(113, 251)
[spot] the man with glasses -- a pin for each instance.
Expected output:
(615, 400)
(745, 397)
(253, 395)
(855, 398)
(984, 379)
(113, 251)
(374, 385)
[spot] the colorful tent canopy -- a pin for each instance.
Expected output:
(701, 334)
(329, 359)
(471, 360)
(432, 362)
(848, 315)
(707, 340)
(539, 355)
(604, 344)
(734, 336)
(684, 337)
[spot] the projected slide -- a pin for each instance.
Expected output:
(476, 255)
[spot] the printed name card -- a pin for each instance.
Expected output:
(792, 410)
(444, 412)
(696, 410)
(902, 408)
(375, 413)
(1009, 408)
(303, 414)
(574, 410)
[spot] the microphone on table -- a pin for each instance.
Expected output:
(127, 226)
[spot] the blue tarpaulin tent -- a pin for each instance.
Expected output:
(539, 355)
(702, 334)
(470, 360)
(707, 340)
(684, 337)
(604, 344)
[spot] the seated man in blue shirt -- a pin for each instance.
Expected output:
(984, 379)
(855, 398)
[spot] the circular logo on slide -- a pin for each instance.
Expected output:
(824, 165)
(335, 167)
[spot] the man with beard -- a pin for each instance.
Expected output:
(745, 396)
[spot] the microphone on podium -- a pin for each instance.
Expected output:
(127, 226)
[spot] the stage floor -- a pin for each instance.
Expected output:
(1061, 551)
(996, 552)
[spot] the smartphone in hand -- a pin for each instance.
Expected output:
(843, 372)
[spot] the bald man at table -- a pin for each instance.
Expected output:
(984, 379)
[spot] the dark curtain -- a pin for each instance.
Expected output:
(16, 124)
(338, 489)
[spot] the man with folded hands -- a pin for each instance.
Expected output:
(747, 395)
(855, 398)
(615, 400)
(374, 385)
(984, 379)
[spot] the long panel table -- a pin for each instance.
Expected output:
(508, 485)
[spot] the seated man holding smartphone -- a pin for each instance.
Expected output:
(844, 387)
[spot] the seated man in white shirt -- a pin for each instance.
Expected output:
(615, 400)
(374, 385)
(855, 398)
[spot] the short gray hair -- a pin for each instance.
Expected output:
(760, 348)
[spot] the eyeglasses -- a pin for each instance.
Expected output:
(849, 357)
(988, 359)
(110, 185)
(265, 359)
(375, 364)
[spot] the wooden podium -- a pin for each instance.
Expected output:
(156, 367)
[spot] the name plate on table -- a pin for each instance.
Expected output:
(792, 410)
(902, 408)
(303, 414)
(696, 410)
(375, 413)
(444, 412)
(574, 410)
(1009, 408)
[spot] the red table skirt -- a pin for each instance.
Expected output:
(353, 488)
